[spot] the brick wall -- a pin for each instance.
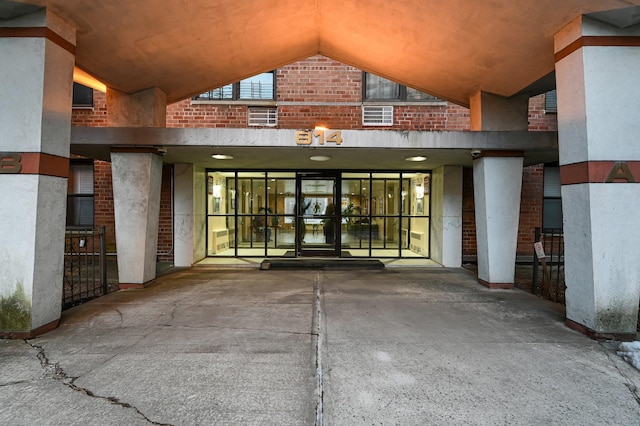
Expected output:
(318, 91)
(165, 225)
(321, 91)
(103, 208)
(530, 211)
(183, 114)
(91, 117)
(319, 79)
(538, 120)
(103, 202)
(532, 191)
(468, 214)
(530, 208)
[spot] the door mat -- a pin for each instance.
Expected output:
(321, 264)
(292, 253)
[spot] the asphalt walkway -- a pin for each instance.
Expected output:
(401, 346)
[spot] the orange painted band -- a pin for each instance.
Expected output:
(608, 41)
(38, 163)
(595, 172)
(38, 32)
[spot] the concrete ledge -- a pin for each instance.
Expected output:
(23, 335)
(625, 337)
(508, 286)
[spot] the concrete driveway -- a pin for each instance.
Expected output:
(401, 346)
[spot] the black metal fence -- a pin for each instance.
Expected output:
(548, 265)
(85, 265)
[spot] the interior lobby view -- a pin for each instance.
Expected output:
(319, 213)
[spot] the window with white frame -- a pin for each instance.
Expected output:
(552, 200)
(80, 194)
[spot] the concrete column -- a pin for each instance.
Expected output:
(137, 180)
(36, 70)
(190, 214)
(497, 183)
(598, 91)
(147, 108)
(446, 215)
(183, 219)
(496, 113)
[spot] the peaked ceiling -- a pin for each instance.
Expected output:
(447, 48)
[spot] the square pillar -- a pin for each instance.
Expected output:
(183, 219)
(36, 71)
(497, 184)
(147, 108)
(495, 113)
(190, 215)
(446, 216)
(598, 90)
(137, 180)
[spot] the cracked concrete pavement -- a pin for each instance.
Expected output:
(242, 346)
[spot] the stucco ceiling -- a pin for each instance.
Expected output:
(449, 48)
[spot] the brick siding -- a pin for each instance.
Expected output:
(321, 91)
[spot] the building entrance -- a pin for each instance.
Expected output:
(317, 213)
(317, 217)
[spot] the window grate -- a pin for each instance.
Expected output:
(377, 115)
(262, 117)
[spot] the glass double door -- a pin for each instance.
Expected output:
(317, 214)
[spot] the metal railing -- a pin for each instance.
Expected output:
(548, 265)
(85, 265)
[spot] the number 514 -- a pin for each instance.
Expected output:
(305, 137)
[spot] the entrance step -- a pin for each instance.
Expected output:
(321, 264)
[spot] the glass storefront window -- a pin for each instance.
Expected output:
(415, 237)
(379, 214)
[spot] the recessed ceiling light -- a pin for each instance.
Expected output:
(319, 158)
(222, 157)
(416, 158)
